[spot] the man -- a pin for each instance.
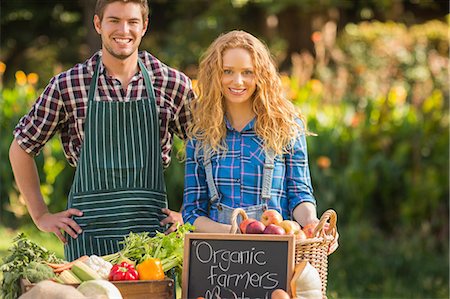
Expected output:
(116, 114)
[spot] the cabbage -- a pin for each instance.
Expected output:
(99, 287)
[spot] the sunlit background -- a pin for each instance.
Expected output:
(372, 78)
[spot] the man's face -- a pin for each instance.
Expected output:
(121, 29)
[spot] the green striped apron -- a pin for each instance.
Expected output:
(119, 182)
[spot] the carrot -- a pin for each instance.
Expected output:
(58, 268)
(54, 266)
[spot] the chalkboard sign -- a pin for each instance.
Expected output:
(220, 266)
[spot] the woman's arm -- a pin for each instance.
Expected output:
(299, 188)
(206, 225)
(195, 197)
(305, 213)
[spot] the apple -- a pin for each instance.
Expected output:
(271, 217)
(273, 229)
(300, 235)
(243, 225)
(255, 227)
(290, 226)
(309, 230)
(293, 228)
(279, 294)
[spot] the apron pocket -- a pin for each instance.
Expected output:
(114, 214)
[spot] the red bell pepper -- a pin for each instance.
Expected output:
(123, 271)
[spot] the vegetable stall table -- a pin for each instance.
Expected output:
(236, 265)
(137, 289)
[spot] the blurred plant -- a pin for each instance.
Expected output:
(377, 96)
(14, 103)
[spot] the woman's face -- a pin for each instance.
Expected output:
(238, 77)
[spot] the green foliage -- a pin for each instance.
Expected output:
(369, 264)
(55, 174)
(13, 103)
(378, 100)
(174, 176)
(39, 36)
(386, 144)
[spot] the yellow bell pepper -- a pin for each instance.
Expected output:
(150, 269)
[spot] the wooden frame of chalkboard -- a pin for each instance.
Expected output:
(236, 266)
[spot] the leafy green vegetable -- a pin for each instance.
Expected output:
(22, 253)
(168, 248)
(36, 272)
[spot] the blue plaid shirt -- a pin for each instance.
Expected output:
(238, 176)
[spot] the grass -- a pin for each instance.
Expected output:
(46, 240)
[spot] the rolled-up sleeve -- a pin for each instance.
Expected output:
(299, 186)
(195, 199)
(42, 122)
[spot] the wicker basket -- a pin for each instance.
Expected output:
(314, 250)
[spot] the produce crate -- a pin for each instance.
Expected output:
(140, 289)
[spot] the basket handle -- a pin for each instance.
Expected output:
(320, 229)
(234, 226)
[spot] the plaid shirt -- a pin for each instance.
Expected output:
(238, 176)
(63, 104)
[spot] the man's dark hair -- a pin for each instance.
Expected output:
(101, 4)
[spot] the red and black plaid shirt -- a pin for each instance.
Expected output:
(62, 105)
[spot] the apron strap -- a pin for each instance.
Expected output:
(209, 176)
(266, 179)
(93, 85)
(148, 82)
(267, 175)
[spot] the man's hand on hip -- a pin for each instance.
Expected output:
(59, 223)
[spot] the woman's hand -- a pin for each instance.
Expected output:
(60, 222)
(174, 218)
(334, 245)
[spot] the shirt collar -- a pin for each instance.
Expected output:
(248, 127)
(102, 69)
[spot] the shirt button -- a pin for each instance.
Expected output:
(237, 180)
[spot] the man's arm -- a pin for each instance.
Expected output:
(27, 179)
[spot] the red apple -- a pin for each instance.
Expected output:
(271, 217)
(309, 230)
(243, 225)
(273, 229)
(255, 227)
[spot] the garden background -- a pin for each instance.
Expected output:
(371, 76)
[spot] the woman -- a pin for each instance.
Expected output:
(247, 146)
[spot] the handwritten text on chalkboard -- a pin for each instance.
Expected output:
(238, 268)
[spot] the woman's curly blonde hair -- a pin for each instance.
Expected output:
(276, 117)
